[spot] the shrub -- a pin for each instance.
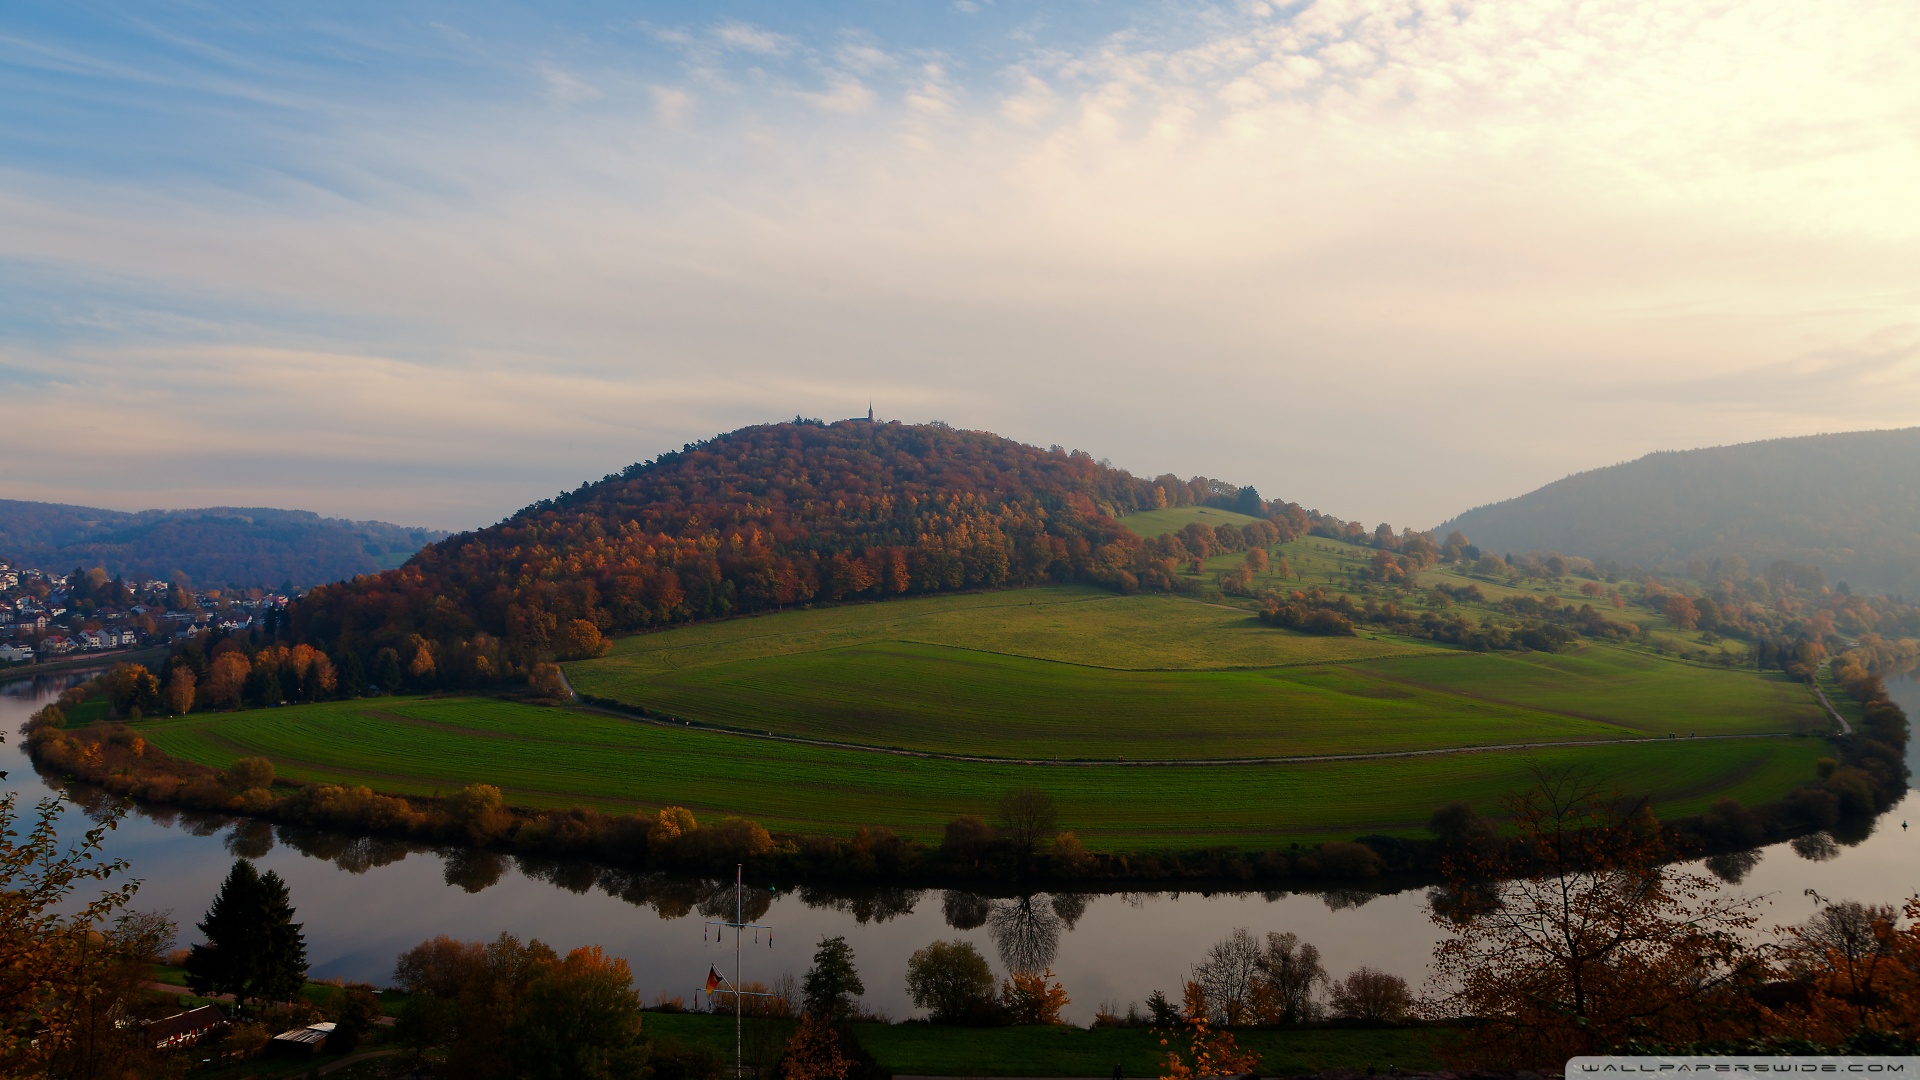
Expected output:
(1372, 996)
(949, 979)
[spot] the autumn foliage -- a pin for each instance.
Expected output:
(760, 519)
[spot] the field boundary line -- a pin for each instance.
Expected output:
(1152, 763)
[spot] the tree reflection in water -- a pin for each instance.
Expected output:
(1733, 866)
(1026, 933)
(471, 870)
(868, 905)
(250, 839)
(1819, 847)
(965, 910)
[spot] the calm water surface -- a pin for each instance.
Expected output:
(364, 902)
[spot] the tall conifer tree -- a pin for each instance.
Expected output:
(254, 949)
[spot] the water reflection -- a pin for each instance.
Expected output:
(1734, 866)
(364, 899)
(965, 910)
(1818, 847)
(1026, 933)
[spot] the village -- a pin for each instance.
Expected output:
(45, 617)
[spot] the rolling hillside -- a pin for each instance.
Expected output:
(1847, 504)
(221, 547)
(761, 519)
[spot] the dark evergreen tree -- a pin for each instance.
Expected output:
(352, 674)
(833, 986)
(386, 671)
(254, 949)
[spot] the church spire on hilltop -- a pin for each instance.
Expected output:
(869, 411)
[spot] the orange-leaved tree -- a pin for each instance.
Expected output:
(1197, 1048)
(1583, 935)
(1862, 973)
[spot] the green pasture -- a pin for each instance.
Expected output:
(941, 1050)
(1075, 673)
(559, 757)
(943, 700)
(1070, 624)
(1151, 523)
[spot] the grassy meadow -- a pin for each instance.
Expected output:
(1124, 708)
(558, 757)
(941, 1050)
(1076, 673)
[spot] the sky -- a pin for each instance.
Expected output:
(432, 262)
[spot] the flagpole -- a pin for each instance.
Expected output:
(739, 924)
(739, 916)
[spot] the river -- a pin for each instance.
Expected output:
(366, 902)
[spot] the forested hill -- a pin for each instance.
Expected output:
(1847, 504)
(761, 518)
(218, 547)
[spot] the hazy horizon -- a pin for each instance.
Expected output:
(430, 263)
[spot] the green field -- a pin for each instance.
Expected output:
(1151, 523)
(1122, 707)
(1072, 673)
(938, 1050)
(563, 757)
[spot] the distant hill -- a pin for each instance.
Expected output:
(218, 547)
(766, 517)
(1848, 504)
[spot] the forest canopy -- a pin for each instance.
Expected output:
(762, 518)
(219, 547)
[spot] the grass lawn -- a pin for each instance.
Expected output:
(563, 757)
(937, 1050)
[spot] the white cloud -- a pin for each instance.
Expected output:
(670, 104)
(1390, 259)
(565, 88)
(747, 37)
(846, 94)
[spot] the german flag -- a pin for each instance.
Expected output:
(714, 982)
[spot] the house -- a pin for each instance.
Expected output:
(183, 1029)
(90, 639)
(15, 654)
(302, 1042)
(57, 645)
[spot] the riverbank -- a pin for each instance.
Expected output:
(82, 661)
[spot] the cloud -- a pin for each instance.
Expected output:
(1390, 259)
(565, 88)
(671, 105)
(845, 95)
(745, 37)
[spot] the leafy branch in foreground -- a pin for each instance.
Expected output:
(53, 958)
(1582, 935)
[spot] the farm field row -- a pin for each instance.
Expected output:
(558, 757)
(1068, 624)
(1071, 673)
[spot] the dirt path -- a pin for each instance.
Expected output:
(1304, 759)
(1845, 728)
